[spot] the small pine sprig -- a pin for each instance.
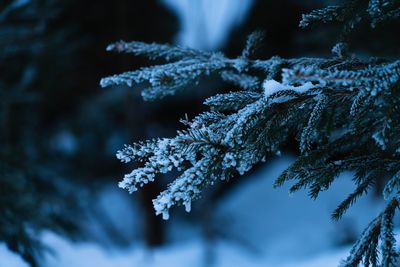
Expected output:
(253, 44)
(186, 66)
(351, 12)
(365, 249)
(157, 51)
(167, 79)
(244, 81)
(315, 116)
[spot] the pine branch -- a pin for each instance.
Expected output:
(362, 189)
(157, 51)
(381, 226)
(343, 112)
(352, 12)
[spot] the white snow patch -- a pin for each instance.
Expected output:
(10, 259)
(271, 87)
(188, 253)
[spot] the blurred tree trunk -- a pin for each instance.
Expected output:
(154, 226)
(138, 118)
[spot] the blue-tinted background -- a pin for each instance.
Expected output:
(57, 118)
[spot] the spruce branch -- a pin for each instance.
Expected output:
(343, 111)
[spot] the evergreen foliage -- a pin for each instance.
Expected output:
(344, 112)
(31, 198)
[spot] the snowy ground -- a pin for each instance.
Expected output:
(186, 254)
(266, 226)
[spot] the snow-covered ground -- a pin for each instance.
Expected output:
(263, 226)
(186, 254)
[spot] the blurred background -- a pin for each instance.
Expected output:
(60, 132)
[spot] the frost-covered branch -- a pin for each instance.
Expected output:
(351, 12)
(342, 111)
